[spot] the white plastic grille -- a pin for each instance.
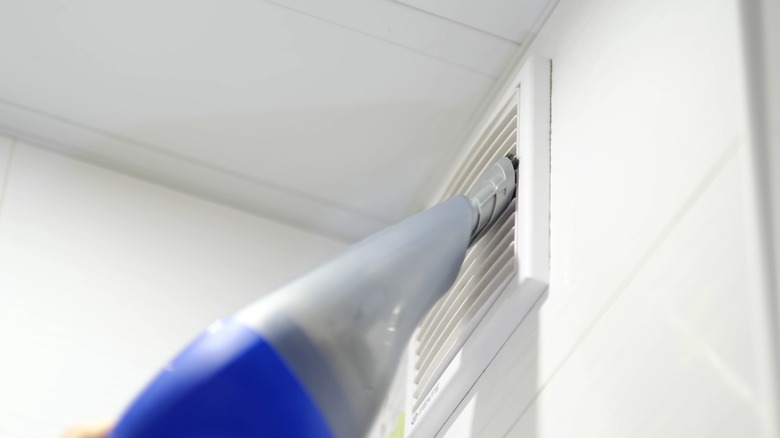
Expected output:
(489, 265)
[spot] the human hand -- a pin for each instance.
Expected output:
(94, 429)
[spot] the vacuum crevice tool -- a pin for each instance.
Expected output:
(316, 357)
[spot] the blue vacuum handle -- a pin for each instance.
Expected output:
(229, 382)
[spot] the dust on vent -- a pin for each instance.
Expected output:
(488, 267)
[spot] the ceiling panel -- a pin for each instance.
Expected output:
(510, 19)
(429, 34)
(333, 118)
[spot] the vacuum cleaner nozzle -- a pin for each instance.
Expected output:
(492, 193)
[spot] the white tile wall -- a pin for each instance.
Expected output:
(673, 355)
(647, 328)
(103, 277)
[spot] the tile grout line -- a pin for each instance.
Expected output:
(689, 203)
(7, 173)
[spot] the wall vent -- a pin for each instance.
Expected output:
(488, 267)
(508, 264)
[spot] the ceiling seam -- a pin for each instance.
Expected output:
(283, 219)
(199, 163)
(450, 20)
(392, 43)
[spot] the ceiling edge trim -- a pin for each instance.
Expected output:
(235, 191)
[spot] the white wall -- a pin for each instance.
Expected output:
(651, 324)
(103, 277)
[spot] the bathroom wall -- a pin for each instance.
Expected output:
(653, 324)
(103, 277)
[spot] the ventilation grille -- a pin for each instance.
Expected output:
(487, 269)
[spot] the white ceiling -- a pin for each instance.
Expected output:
(335, 116)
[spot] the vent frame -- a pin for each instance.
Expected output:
(432, 397)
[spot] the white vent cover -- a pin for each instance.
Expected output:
(508, 264)
(488, 266)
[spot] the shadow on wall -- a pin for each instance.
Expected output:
(512, 374)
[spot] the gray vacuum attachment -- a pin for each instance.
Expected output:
(491, 195)
(343, 327)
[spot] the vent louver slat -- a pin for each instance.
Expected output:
(473, 269)
(484, 288)
(488, 267)
(465, 177)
